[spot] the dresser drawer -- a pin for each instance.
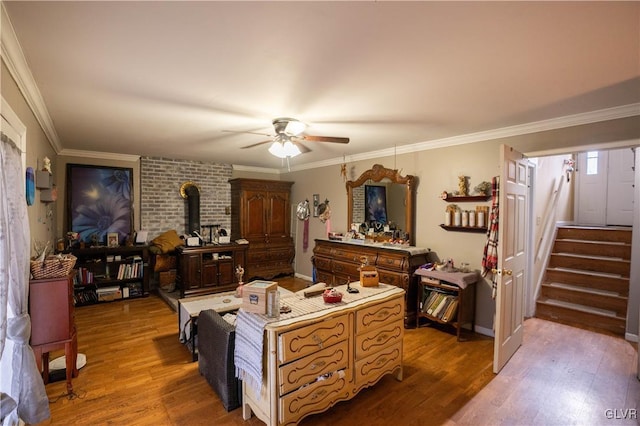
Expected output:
(392, 278)
(379, 338)
(315, 398)
(390, 261)
(371, 368)
(355, 256)
(281, 253)
(322, 263)
(303, 341)
(308, 369)
(255, 256)
(374, 316)
(349, 269)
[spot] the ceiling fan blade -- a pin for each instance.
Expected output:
(303, 149)
(311, 138)
(256, 144)
(251, 133)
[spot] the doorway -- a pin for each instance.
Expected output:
(605, 188)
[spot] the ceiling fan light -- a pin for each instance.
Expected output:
(291, 149)
(295, 127)
(277, 149)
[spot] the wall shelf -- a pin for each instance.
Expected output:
(466, 198)
(479, 230)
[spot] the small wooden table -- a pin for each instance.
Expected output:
(456, 285)
(53, 324)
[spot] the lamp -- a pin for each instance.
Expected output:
(294, 127)
(282, 147)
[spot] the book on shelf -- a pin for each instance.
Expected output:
(434, 303)
(441, 305)
(451, 311)
(427, 299)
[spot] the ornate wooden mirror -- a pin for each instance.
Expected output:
(392, 205)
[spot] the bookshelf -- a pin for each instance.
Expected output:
(105, 274)
(447, 298)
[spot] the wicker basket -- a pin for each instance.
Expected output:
(53, 267)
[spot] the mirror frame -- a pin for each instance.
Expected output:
(376, 174)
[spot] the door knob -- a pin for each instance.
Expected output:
(502, 271)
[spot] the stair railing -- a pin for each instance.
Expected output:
(547, 236)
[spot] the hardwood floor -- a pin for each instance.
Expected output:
(137, 373)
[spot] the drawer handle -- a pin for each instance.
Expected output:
(318, 340)
(318, 394)
(383, 314)
(319, 364)
(382, 360)
(382, 337)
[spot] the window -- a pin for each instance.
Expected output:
(592, 163)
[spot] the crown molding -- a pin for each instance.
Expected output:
(99, 155)
(623, 111)
(252, 169)
(13, 57)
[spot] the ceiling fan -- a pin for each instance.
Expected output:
(288, 135)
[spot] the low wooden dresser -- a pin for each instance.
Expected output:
(317, 359)
(337, 262)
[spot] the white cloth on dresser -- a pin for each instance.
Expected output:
(248, 349)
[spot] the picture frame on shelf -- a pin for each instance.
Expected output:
(112, 239)
(99, 201)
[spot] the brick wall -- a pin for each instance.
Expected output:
(163, 208)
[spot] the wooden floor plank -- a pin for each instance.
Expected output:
(138, 373)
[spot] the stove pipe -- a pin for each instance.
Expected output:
(191, 193)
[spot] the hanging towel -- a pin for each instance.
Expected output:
(305, 235)
(249, 348)
(490, 255)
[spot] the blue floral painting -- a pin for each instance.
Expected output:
(376, 203)
(100, 202)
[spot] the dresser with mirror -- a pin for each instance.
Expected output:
(382, 224)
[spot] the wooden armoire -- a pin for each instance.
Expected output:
(261, 214)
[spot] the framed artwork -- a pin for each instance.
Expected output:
(99, 202)
(375, 198)
(112, 239)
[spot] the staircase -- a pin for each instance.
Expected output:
(586, 283)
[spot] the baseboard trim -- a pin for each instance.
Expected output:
(484, 331)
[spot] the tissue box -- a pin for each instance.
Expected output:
(254, 296)
(368, 276)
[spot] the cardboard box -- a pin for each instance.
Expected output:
(108, 296)
(368, 276)
(254, 296)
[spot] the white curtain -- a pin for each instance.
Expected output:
(25, 398)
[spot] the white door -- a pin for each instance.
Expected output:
(512, 262)
(591, 194)
(620, 181)
(604, 191)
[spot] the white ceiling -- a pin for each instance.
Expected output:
(166, 78)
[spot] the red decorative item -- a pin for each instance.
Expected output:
(331, 295)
